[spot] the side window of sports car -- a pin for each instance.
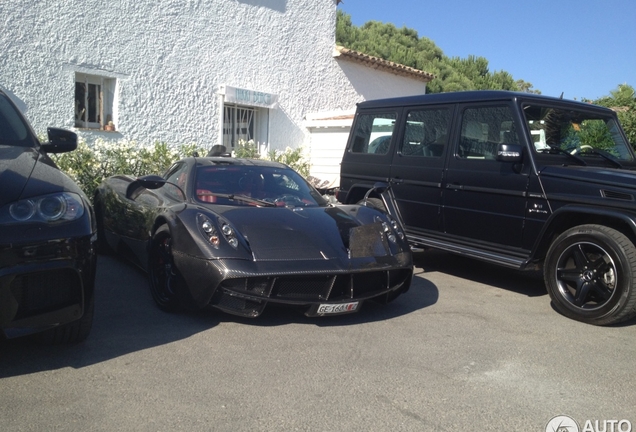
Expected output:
(177, 179)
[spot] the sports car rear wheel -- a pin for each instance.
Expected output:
(166, 283)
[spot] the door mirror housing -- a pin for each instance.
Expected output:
(509, 153)
(60, 141)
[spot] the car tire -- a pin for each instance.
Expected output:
(102, 245)
(166, 283)
(73, 332)
(590, 275)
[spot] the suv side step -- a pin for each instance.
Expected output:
(472, 252)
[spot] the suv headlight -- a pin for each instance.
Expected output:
(52, 208)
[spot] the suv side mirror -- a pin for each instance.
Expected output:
(509, 153)
(60, 141)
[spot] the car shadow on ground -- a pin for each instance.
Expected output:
(127, 320)
(529, 283)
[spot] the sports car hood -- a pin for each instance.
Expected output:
(24, 173)
(591, 174)
(303, 233)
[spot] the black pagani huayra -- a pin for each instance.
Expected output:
(237, 234)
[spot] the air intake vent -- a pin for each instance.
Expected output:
(617, 195)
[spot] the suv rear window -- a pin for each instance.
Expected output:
(373, 133)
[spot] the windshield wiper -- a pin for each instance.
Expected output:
(565, 152)
(605, 155)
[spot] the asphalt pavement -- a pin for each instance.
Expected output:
(471, 347)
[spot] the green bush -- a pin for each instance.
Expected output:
(90, 165)
(295, 158)
(246, 149)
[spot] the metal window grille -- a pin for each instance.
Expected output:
(238, 125)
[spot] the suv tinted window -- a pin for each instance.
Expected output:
(426, 132)
(373, 133)
(483, 129)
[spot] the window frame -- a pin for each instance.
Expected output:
(102, 100)
(236, 129)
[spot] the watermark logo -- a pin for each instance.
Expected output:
(565, 423)
(562, 423)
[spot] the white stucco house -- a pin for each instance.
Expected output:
(194, 71)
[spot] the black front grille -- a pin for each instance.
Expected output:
(302, 288)
(316, 288)
(45, 291)
(238, 305)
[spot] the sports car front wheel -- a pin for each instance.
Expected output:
(166, 283)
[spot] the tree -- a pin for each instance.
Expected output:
(623, 101)
(404, 46)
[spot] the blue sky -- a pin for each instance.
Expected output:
(583, 48)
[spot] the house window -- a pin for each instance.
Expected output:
(240, 124)
(94, 96)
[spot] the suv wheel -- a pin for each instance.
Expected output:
(590, 274)
(375, 203)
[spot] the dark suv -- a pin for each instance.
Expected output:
(516, 179)
(47, 236)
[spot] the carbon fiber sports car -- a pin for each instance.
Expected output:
(238, 234)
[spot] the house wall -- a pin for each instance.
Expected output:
(329, 134)
(170, 59)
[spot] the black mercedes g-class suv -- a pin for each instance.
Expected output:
(516, 179)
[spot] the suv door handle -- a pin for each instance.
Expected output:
(454, 186)
(397, 180)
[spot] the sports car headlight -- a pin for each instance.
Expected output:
(211, 233)
(52, 208)
(397, 229)
(229, 234)
(390, 229)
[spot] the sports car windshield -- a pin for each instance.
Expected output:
(579, 133)
(254, 185)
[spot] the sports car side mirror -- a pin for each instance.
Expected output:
(151, 181)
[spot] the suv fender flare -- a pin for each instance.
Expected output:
(357, 191)
(571, 215)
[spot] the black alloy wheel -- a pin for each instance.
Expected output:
(590, 275)
(165, 280)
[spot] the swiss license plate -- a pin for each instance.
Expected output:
(324, 309)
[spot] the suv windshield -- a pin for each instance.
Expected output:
(580, 133)
(13, 130)
(249, 185)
